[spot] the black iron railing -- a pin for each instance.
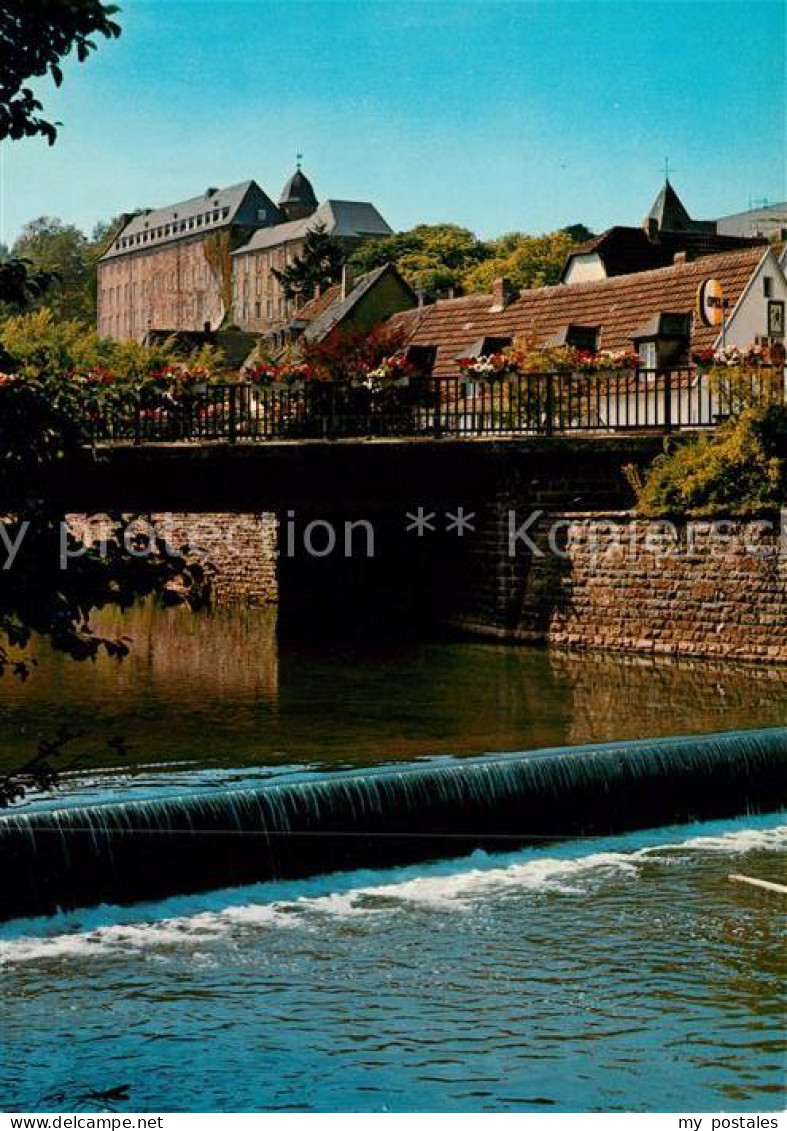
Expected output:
(521, 404)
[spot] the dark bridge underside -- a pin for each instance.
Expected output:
(577, 473)
(407, 584)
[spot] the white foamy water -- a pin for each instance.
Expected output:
(451, 886)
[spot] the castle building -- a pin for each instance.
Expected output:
(203, 263)
(170, 268)
(259, 302)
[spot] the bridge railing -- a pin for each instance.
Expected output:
(552, 403)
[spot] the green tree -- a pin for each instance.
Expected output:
(319, 264)
(36, 35)
(741, 467)
(437, 258)
(578, 232)
(21, 285)
(62, 250)
(432, 257)
(527, 261)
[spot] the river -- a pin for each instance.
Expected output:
(623, 973)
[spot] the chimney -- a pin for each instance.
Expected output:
(503, 294)
(348, 280)
(679, 257)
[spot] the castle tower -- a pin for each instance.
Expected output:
(297, 200)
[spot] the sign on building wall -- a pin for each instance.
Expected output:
(710, 302)
(775, 318)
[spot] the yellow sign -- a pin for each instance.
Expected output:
(710, 302)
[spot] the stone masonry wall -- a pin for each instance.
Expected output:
(242, 548)
(614, 581)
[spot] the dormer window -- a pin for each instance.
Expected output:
(663, 342)
(492, 343)
(495, 344)
(422, 358)
(578, 337)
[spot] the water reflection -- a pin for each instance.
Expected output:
(217, 690)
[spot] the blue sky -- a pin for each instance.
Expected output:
(494, 114)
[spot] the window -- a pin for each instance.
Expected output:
(767, 286)
(582, 337)
(647, 355)
(262, 214)
(663, 343)
(257, 310)
(494, 345)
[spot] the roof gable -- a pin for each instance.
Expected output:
(624, 250)
(329, 316)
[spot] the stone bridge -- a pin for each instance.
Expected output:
(329, 530)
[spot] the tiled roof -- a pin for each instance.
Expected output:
(315, 306)
(348, 218)
(620, 306)
(624, 250)
(214, 208)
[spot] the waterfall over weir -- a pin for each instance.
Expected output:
(121, 851)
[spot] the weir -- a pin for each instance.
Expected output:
(66, 856)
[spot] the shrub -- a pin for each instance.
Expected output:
(742, 467)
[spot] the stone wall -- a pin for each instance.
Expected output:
(241, 548)
(614, 581)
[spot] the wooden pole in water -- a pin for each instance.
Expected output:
(767, 884)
